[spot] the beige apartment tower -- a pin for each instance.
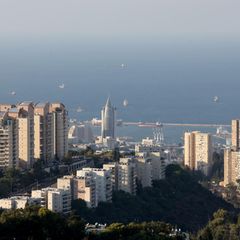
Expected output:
(8, 141)
(43, 132)
(235, 135)
(50, 131)
(189, 150)
(25, 120)
(232, 157)
(60, 130)
(231, 166)
(198, 151)
(39, 131)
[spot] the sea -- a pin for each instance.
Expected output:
(163, 81)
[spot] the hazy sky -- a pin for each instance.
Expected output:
(84, 42)
(51, 19)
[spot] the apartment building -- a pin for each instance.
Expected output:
(85, 188)
(39, 131)
(81, 187)
(198, 151)
(43, 132)
(102, 179)
(54, 199)
(144, 171)
(127, 175)
(8, 141)
(18, 202)
(232, 157)
(113, 168)
(25, 133)
(60, 130)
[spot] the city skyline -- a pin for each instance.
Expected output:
(159, 159)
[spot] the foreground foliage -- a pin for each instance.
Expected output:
(137, 231)
(12, 180)
(39, 223)
(223, 226)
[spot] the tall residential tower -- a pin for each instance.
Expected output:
(198, 151)
(232, 157)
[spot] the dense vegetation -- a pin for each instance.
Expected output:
(216, 173)
(138, 231)
(38, 223)
(179, 200)
(223, 226)
(12, 180)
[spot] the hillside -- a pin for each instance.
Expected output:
(179, 199)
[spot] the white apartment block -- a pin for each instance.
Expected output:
(102, 179)
(127, 175)
(113, 168)
(17, 202)
(158, 165)
(124, 174)
(85, 188)
(54, 199)
(144, 171)
(81, 188)
(65, 182)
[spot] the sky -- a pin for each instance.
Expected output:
(171, 48)
(51, 20)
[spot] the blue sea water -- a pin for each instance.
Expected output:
(163, 81)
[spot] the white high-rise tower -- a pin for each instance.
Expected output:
(108, 120)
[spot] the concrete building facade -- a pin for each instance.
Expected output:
(102, 181)
(144, 171)
(81, 187)
(60, 130)
(43, 132)
(18, 202)
(127, 175)
(54, 199)
(232, 157)
(85, 188)
(8, 141)
(198, 151)
(26, 134)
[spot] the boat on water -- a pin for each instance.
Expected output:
(62, 86)
(125, 103)
(79, 110)
(216, 99)
(123, 65)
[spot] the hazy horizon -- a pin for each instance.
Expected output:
(179, 55)
(124, 19)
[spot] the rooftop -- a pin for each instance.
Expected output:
(41, 104)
